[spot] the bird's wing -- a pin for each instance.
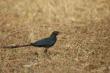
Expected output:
(43, 42)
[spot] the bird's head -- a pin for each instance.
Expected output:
(55, 33)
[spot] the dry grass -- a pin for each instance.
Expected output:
(82, 47)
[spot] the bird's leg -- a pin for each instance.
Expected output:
(46, 53)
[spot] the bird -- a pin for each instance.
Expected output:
(44, 42)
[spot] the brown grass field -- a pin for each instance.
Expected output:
(82, 47)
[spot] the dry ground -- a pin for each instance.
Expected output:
(82, 47)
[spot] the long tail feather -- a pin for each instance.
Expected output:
(16, 46)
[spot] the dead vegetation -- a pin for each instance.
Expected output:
(83, 46)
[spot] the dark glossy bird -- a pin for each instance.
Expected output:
(45, 42)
